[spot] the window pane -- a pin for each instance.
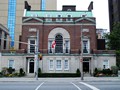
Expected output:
(11, 63)
(66, 65)
(59, 44)
(105, 64)
(85, 46)
(32, 47)
(51, 66)
(58, 65)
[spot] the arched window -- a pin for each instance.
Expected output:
(59, 44)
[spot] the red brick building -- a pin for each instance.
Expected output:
(67, 28)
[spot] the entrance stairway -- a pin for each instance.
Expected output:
(87, 75)
(30, 75)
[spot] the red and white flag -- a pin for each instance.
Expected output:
(53, 44)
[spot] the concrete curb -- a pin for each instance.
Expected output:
(86, 79)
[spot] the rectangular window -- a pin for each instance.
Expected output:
(66, 46)
(66, 65)
(51, 65)
(11, 63)
(85, 46)
(105, 64)
(58, 65)
(31, 47)
(50, 47)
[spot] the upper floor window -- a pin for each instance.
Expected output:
(31, 47)
(59, 44)
(66, 46)
(86, 46)
(50, 46)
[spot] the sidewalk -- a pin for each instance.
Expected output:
(24, 79)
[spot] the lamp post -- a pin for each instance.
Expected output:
(36, 56)
(83, 16)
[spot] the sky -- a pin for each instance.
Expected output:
(100, 10)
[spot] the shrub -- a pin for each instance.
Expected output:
(10, 70)
(1, 74)
(58, 75)
(78, 73)
(107, 71)
(39, 72)
(114, 69)
(21, 72)
(4, 71)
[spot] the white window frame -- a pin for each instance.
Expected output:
(51, 65)
(88, 45)
(106, 64)
(60, 65)
(50, 46)
(66, 65)
(13, 64)
(68, 46)
(29, 44)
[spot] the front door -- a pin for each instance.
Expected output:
(31, 66)
(86, 65)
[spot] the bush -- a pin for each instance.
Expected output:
(114, 69)
(21, 72)
(58, 75)
(78, 73)
(39, 72)
(107, 71)
(10, 70)
(1, 74)
(4, 71)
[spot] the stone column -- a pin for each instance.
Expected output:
(2, 40)
(7, 42)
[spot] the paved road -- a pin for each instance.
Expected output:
(60, 85)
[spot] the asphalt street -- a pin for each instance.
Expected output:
(61, 85)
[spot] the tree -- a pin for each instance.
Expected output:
(114, 37)
(114, 41)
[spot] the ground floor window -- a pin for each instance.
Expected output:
(66, 65)
(51, 65)
(11, 63)
(105, 64)
(58, 65)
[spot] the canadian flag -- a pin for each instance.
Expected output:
(53, 44)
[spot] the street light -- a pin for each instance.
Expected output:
(36, 56)
(83, 16)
